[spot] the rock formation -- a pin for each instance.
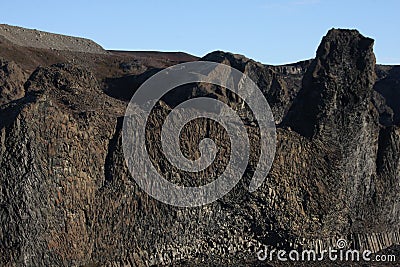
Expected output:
(67, 198)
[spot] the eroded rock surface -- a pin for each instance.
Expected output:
(67, 197)
(12, 79)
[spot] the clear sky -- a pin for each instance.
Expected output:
(272, 32)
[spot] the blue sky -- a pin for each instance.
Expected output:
(273, 32)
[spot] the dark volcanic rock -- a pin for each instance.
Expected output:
(51, 172)
(386, 114)
(67, 198)
(335, 108)
(272, 81)
(337, 85)
(388, 85)
(12, 79)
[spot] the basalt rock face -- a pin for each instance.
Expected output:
(388, 85)
(12, 79)
(334, 108)
(67, 197)
(337, 85)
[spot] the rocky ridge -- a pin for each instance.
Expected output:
(40, 39)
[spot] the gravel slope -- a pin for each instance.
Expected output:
(39, 39)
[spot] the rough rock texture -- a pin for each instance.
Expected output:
(279, 92)
(67, 198)
(12, 79)
(388, 85)
(334, 108)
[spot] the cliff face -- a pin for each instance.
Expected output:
(334, 108)
(67, 197)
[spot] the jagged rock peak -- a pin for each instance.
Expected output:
(337, 86)
(347, 48)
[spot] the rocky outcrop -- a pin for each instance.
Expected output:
(12, 79)
(279, 91)
(67, 198)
